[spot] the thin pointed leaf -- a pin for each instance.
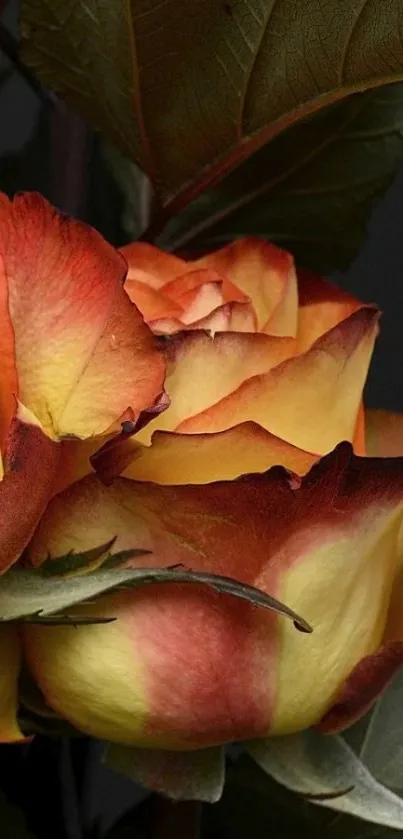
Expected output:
(30, 594)
(72, 563)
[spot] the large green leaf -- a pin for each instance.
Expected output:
(325, 769)
(310, 190)
(190, 89)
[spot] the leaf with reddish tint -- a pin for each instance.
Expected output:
(189, 90)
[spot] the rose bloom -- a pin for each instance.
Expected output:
(265, 368)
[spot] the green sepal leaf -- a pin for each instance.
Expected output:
(73, 562)
(325, 770)
(31, 595)
(378, 738)
(197, 775)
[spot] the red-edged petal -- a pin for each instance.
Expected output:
(312, 400)
(184, 667)
(202, 369)
(83, 352)
(31, 463)
(365, 684)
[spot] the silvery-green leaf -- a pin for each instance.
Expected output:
(31, 595)
(72, 562)
(183, 776)
(320, 766)
(382, 747)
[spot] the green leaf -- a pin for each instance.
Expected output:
(320, 766)
(382, 746)
(310, 190)
(190, 89)
(183, 776)
(72, 562)
(127, 217)
(255, 806)
(33, 596)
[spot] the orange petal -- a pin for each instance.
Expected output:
(9, 379)
(202, 369)
(152, 265)
(83, 352)
(185, 302)
(194, 279)
(201, 458)
(185, 667)
(322, 305)
(313, 400)
(31, 463)
(10, 657)
(230, 317)
(266, 275)
(201, 302)
(384, 433)
(152, 304)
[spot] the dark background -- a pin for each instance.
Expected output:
(376, 276)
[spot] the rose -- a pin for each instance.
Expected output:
(246, 371)
(183, 667)
(76, 359)
(249, 286)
